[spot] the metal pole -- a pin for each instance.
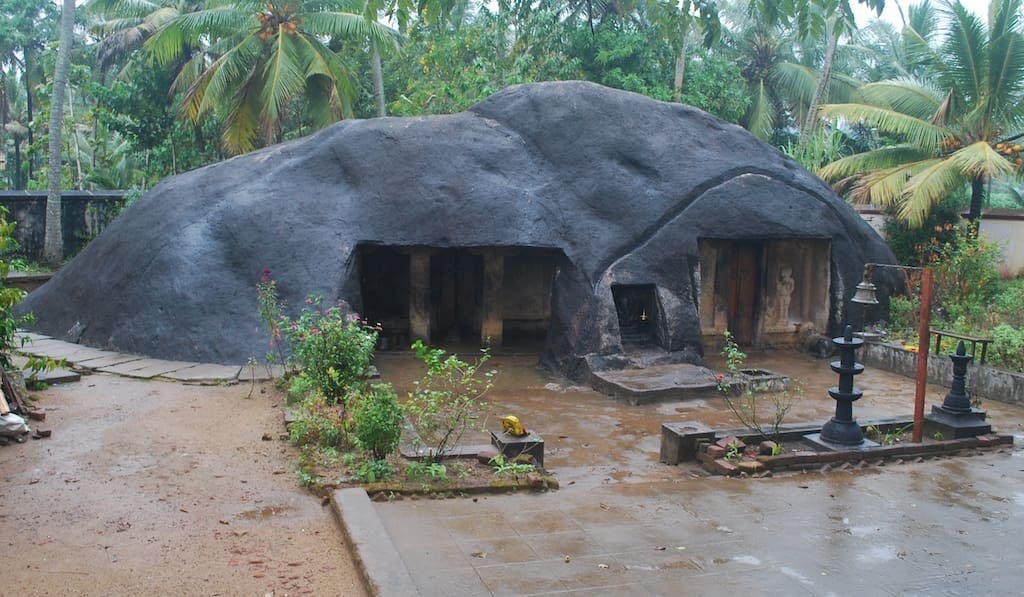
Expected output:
(921, 385)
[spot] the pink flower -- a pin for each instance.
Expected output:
(264, 275)
(719, 377)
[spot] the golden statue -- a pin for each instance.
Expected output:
(512, 426)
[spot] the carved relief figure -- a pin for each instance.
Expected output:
(785, 286)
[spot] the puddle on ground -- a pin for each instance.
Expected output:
(264, 513)
(877, 553)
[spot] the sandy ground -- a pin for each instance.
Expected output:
(153, 488)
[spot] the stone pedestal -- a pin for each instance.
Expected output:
(955, 417)
(511, 446)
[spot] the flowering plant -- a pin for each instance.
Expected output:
(332, 349)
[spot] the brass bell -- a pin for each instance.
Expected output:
(865, 294)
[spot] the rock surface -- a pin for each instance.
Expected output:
(621, 185)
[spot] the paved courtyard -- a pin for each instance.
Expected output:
(625, 524)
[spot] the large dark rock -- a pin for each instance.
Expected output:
(623, 186)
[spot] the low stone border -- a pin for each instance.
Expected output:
(693, 442)
(982, 381)
(382, 567)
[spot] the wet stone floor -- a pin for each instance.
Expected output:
(625, 524)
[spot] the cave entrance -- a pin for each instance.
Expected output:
(637, 308)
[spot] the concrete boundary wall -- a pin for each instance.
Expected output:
(84, 214)
(982, 381)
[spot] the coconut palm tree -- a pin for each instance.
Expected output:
(959, 126)
(261, 57)
(53, 236)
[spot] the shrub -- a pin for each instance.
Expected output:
(1008, 347)
(448, 399)
(913, 246)
(333, 350)
(966, 279)
(903, 315)
(9, 297)
(320, 423)
(378, 420)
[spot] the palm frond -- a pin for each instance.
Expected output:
(914, 130)
(927, 188)
(892, 156)
(345, 24)
(908, 96)
(980, 159)
(283, 79)
(121, 8)
(241, 123)
(882, 187)
(795, 81)
(760, 117)
(963, 53)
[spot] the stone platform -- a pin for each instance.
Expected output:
(658, 382)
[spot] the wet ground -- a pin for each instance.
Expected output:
(624, 524)
(154, 488)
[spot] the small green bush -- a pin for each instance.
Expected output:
(903, 315)
(378, 419)
(449, 398)
(1008, 347)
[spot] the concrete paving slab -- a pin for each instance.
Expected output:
(633, 526)
(32, 335)
(54, 349)
(146, 368)
(54, 376)
(199, 373)
(108, 360)
(261, 372)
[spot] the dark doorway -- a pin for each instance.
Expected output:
(456, 295)
(384, 284)
(637, 308)
(744, 290)
(529, 276)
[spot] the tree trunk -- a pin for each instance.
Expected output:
(53, 238)
(977, 199)
(28, 114)
(378, 79)
(17, 163)
(823, 82)
(677, 84)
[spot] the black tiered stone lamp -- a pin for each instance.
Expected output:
(843, 429)
(955, 417)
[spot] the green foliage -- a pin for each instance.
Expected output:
(333, 350)
(270, 315)
(9, 323)
(509, 468)
(448, 400)
(966, 280)
(745, 406)
(320, 423)
(1008, 347)
(378, 420)
(417, 470)
(903, 315)
(887, 436)
(373, 471)
(912, 245)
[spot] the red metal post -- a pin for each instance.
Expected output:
(921, 384)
